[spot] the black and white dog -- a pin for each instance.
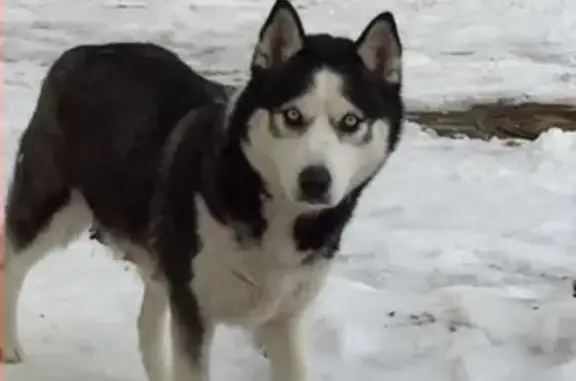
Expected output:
(230, 205)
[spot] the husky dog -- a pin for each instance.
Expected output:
(232, 206)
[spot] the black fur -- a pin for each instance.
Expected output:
(104, 111)
(175, 230)
(103, 116)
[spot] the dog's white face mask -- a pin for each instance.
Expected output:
(316, 147)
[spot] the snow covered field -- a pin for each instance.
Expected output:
(457, 265)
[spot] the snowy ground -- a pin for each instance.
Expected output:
(456, 266)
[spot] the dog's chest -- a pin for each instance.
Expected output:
(248, 283)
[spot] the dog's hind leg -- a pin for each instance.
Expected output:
(153, 311)
(33, 229)
(42, 213)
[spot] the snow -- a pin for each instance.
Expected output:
(458, 263)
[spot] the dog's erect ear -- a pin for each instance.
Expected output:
(280, 38)
(380, 48)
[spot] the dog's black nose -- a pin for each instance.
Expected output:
(314, 182)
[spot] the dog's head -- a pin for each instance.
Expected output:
(320, 114)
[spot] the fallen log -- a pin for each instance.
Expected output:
(498, 119)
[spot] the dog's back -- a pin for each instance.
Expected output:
(102, 118)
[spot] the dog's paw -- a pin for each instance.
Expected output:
(261, 350)
(11, 355)
(260, 346)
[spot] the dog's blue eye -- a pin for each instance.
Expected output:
(350, 123)
(293, 117)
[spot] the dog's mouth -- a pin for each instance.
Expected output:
(314, 203)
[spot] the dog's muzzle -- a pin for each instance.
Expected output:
(314, 185)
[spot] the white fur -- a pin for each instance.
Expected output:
(262, 287)
(280, 160)
(250, 283)
(153, 311)
(153, 307)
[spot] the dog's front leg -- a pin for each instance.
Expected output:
(189, 358)
(191, 339)
(282, 342)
